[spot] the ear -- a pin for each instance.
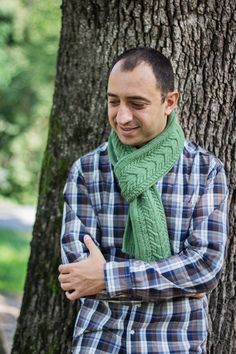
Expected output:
(171, 101)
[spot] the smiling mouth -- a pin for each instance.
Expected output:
(127, 131)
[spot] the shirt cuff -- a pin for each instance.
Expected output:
(118, 278)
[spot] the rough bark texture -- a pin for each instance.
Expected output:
(199, 36)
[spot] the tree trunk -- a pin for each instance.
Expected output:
(199, 36)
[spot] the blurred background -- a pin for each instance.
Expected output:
(29, 35)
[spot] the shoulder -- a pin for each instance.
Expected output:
(90, 162)
(196, 156)
(200, 169)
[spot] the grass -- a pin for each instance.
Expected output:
(14, 253)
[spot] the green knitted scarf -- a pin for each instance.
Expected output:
(138, 170)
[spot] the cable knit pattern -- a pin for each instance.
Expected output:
(138, 170)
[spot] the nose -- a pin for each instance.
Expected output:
(124, 115)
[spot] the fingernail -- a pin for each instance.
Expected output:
(86, 237)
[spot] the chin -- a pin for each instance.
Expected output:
(131, 142)
(126, 141)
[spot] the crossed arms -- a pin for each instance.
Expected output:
(195, 270)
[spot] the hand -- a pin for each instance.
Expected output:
(197, 296)
(85, 277)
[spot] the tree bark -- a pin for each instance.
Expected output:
(199, 36)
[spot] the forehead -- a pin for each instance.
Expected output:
(140, 80)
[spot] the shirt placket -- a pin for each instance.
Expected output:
(130, 332)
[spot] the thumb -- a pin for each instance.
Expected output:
(93, 249)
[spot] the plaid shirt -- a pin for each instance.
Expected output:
(146, 307)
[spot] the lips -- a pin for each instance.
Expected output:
(127, 131)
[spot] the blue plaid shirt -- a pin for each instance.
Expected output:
(146, 307)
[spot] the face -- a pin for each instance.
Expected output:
(135, 108)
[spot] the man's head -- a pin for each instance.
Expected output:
(161, 66)
(140, 95)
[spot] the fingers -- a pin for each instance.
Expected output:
(72, 295)
(93, 249)
(89, 243)
(197, 296)
(65, 282)
(66, 286)
(63, 278)
(65, 268)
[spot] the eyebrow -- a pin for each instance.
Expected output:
(135, 97)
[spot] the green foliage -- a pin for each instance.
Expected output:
(29, 33)
(15, 249)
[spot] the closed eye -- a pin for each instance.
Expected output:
(138, 105)
(114, 103)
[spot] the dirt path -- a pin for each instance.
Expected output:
(9, 312)
(20, 218)
(17, 217)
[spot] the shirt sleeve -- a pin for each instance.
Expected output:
(196, 268)
(79, 218)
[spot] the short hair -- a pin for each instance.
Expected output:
(160, 64)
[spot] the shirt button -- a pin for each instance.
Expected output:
(132, 331)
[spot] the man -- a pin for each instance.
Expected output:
(144, 229)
